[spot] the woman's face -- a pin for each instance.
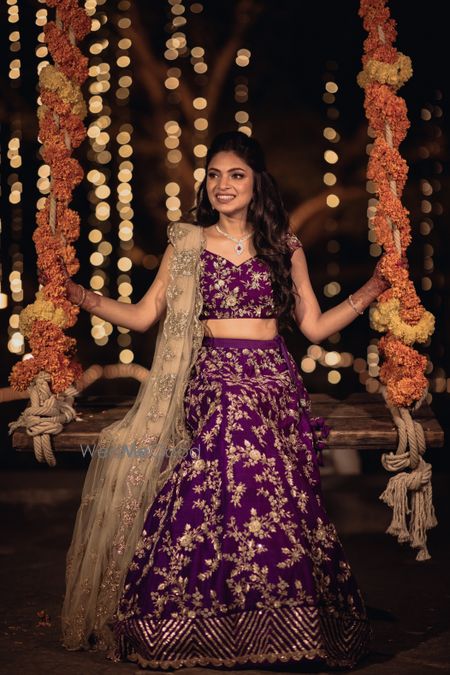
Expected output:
(229, 184)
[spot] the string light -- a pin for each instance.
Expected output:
(16, 342)
(100, 157)
(176, 47)
(332, 360)
(332, 288)
(124, 177)
(431, 208)
(242, 116)
(201, 121)
(3, 296)
(368, 369)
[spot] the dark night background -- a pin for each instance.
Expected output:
(295, 48)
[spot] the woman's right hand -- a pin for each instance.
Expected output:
(74, 291)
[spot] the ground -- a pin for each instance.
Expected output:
(408, 601)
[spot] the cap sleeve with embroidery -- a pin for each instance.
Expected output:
(293, 242)
(174, 232)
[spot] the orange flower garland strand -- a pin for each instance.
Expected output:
(399, 311)
(387, 116)
(61, 129)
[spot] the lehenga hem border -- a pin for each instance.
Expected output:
(272, 658)
(338, 641)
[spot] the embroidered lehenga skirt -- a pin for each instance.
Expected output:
(238, 563)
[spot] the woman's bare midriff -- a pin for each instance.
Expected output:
(250, 329)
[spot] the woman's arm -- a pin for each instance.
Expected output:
(317, 325)
(139, 316)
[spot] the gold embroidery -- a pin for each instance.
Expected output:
(166, 384)
(281, 633)
(177, 323)
(184, 262)
(227, 289)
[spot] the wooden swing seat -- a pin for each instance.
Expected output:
(360, 421)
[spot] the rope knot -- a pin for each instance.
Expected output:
(45, 416)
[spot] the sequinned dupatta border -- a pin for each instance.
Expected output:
(134, 457)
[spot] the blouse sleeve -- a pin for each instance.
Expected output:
(293, 242)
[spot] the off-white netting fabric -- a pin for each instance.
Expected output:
(134, 457)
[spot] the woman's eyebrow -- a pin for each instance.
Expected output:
(236, 168)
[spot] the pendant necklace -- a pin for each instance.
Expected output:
(239, 247)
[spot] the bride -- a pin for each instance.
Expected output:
(213, 547)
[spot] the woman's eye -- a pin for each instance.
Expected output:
(238, 175)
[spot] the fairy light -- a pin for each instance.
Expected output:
(125, 170)
(242, 116)
(201, 121)
(176, 47)
(3, 296)
(99, 156)
(15, 45)
(316, 354)
(16, 342)
(332, 288)
(431, 208)
(368, 368)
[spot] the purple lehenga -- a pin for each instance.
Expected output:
(238, 563)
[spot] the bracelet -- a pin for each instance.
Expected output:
(353, 306)
(83, 296)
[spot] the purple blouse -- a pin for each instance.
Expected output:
(241, 291)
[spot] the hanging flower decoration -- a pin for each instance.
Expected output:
(399, 311)
(61, 129)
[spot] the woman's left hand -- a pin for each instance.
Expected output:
(381, 282)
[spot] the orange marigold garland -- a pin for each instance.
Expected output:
(387, 116)
(399, 311)
(61, 129)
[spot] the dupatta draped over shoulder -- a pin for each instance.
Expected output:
(134, 457)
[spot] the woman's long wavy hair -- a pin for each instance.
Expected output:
(266, 213)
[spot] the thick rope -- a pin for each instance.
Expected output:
(411, 447)
(417, 482)
(47, 412)
(45, 416)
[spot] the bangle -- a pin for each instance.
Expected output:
(83, 296)
(353, 306)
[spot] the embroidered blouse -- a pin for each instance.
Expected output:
(241, 291)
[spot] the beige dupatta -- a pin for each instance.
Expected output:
(134, 457)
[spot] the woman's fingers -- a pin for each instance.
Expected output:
(63, 267)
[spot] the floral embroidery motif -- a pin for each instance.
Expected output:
(238, 291)
(176, 323)
(235, 291)
(184, 262)
(241, 529)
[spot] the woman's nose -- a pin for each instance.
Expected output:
(223, 183)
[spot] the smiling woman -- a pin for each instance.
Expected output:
(252, 535)
(237, 561)
(229, 183)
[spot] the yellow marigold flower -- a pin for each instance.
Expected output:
(55, 80)
(40, 309)
(386, 316)
(394, 74)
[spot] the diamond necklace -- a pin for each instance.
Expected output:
(239, 247)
